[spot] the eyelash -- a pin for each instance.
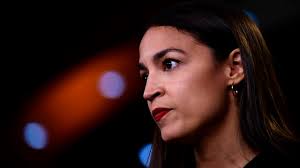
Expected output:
(167, 61)
(165, 67)
(144, 76)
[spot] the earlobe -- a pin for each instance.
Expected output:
(235, 67)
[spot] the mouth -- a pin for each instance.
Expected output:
(158, 113)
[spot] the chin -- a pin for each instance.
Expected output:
(166, 136)
(169, 136)
(180, 137)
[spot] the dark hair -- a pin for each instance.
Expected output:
(260, 98)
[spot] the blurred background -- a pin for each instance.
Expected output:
(72, 94)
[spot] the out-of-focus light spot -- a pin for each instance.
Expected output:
(35, 135)
(252, 16)
(145, 154)
(111, 85)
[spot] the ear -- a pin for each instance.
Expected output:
(234, 67)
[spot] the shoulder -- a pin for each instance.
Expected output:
(274, 158)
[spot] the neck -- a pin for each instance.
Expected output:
(224, 146)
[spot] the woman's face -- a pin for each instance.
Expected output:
(185, 87)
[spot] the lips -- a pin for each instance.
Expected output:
(158, 113)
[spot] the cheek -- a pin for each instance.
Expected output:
(200, 98)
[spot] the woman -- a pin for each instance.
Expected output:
(211, 89)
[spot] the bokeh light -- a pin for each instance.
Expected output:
(252, 16)
(35, 135)
(145, 154)
(111, 85)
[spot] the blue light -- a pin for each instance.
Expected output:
(145, 154)
(35, 135)
(252, 16)
(111, 85)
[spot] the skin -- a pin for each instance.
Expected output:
(183, 75)
(188, 80)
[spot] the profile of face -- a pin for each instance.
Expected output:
(186, 88)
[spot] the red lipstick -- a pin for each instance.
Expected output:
(158, 113)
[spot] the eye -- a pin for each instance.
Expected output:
(144, 76)
(169, 64)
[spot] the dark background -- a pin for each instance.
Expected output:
(42, 40)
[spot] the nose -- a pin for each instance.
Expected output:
(153, 89)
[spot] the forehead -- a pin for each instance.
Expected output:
(162, 37)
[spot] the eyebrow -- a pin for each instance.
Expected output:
(160, 55)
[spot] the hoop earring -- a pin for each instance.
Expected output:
(234, 89)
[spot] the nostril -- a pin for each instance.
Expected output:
(156, 94)
(152, 96)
